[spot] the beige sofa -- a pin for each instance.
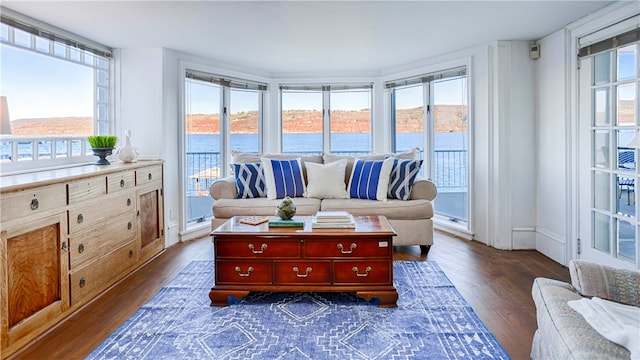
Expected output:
(562, 332)
(412, 219)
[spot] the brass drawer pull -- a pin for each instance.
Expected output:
(366, 271)
(351, 248)
(35, 204)
(122, 183)
(262, 249)
(239, 271)
(81, 248)
(297, 272)
(83, 282)
(80, 218)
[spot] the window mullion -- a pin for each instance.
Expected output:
(326, 121)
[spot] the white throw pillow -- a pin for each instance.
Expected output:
(326, 181)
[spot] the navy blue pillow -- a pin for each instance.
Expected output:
(403, 174)
(249, 180)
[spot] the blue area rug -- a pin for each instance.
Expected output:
(432, 321)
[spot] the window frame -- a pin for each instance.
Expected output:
(68, 47)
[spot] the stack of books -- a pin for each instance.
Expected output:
(337, 219)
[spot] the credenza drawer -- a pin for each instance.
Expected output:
(89, 245)
(148, 175)
(90, 214)
(19, 204)
(346, 248)
(99, 274)
(302, 272)
(87, 189)
(362, 272)
(121, 181)
(243, 272)
(258, 249)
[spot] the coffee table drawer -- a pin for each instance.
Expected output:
(303, 272)
(243, 272)
(347, 248)
(258, 249)
(362, 272)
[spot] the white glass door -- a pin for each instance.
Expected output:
(608, 122)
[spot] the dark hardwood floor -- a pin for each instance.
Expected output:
(497, 284)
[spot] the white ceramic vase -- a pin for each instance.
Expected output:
(127, 153)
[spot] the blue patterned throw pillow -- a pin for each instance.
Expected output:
(283, 178)
(370, 179)
(403, 174)
(249, 180)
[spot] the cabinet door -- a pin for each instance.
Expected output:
(35, 265)
(150, 221)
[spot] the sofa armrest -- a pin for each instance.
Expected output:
(423, 189)
(224, 188)
(606, 282)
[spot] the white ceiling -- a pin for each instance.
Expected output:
(280, 37)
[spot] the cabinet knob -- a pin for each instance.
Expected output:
(80, 218)
(81, 248)
(130, 253)
(129, 225)
(150, 176)
(128, 202)
(122, 183)
(35, 204)
(83, 282)
(65, 247)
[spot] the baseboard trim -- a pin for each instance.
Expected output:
(523, 238)
(551, 245)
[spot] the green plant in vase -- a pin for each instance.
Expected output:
(102, 146)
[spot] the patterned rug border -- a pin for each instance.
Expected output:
(432, 321)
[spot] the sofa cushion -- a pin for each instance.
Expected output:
(370, 179)
(283, 178)
(393, 209)
(403, 175)
(326, 181)
(250, 181)
(227, 208)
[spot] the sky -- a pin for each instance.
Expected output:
(43, 86)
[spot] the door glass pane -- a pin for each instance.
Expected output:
(626, 105)
(601, 232)
(350, 121)
(302, 122)
(202, 146)
(626, 155)
(601, 192)
(409, 114)
(625, 201)
(244, 122)
(602, 68)
(627, 58)
(601, 107)
(601, 149)
(450, 134)
(626, 241)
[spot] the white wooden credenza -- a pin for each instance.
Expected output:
(68, 235)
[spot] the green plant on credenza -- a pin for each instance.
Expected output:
(102, 146)
(102, 141)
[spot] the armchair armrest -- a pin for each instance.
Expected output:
(224, 188)
(606, 282)
(423, 189)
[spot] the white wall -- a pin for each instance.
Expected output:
(552, 127)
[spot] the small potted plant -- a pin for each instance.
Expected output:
(102, 146)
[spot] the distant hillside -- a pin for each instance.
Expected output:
(294, 121)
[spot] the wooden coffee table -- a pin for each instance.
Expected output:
(258, 258)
